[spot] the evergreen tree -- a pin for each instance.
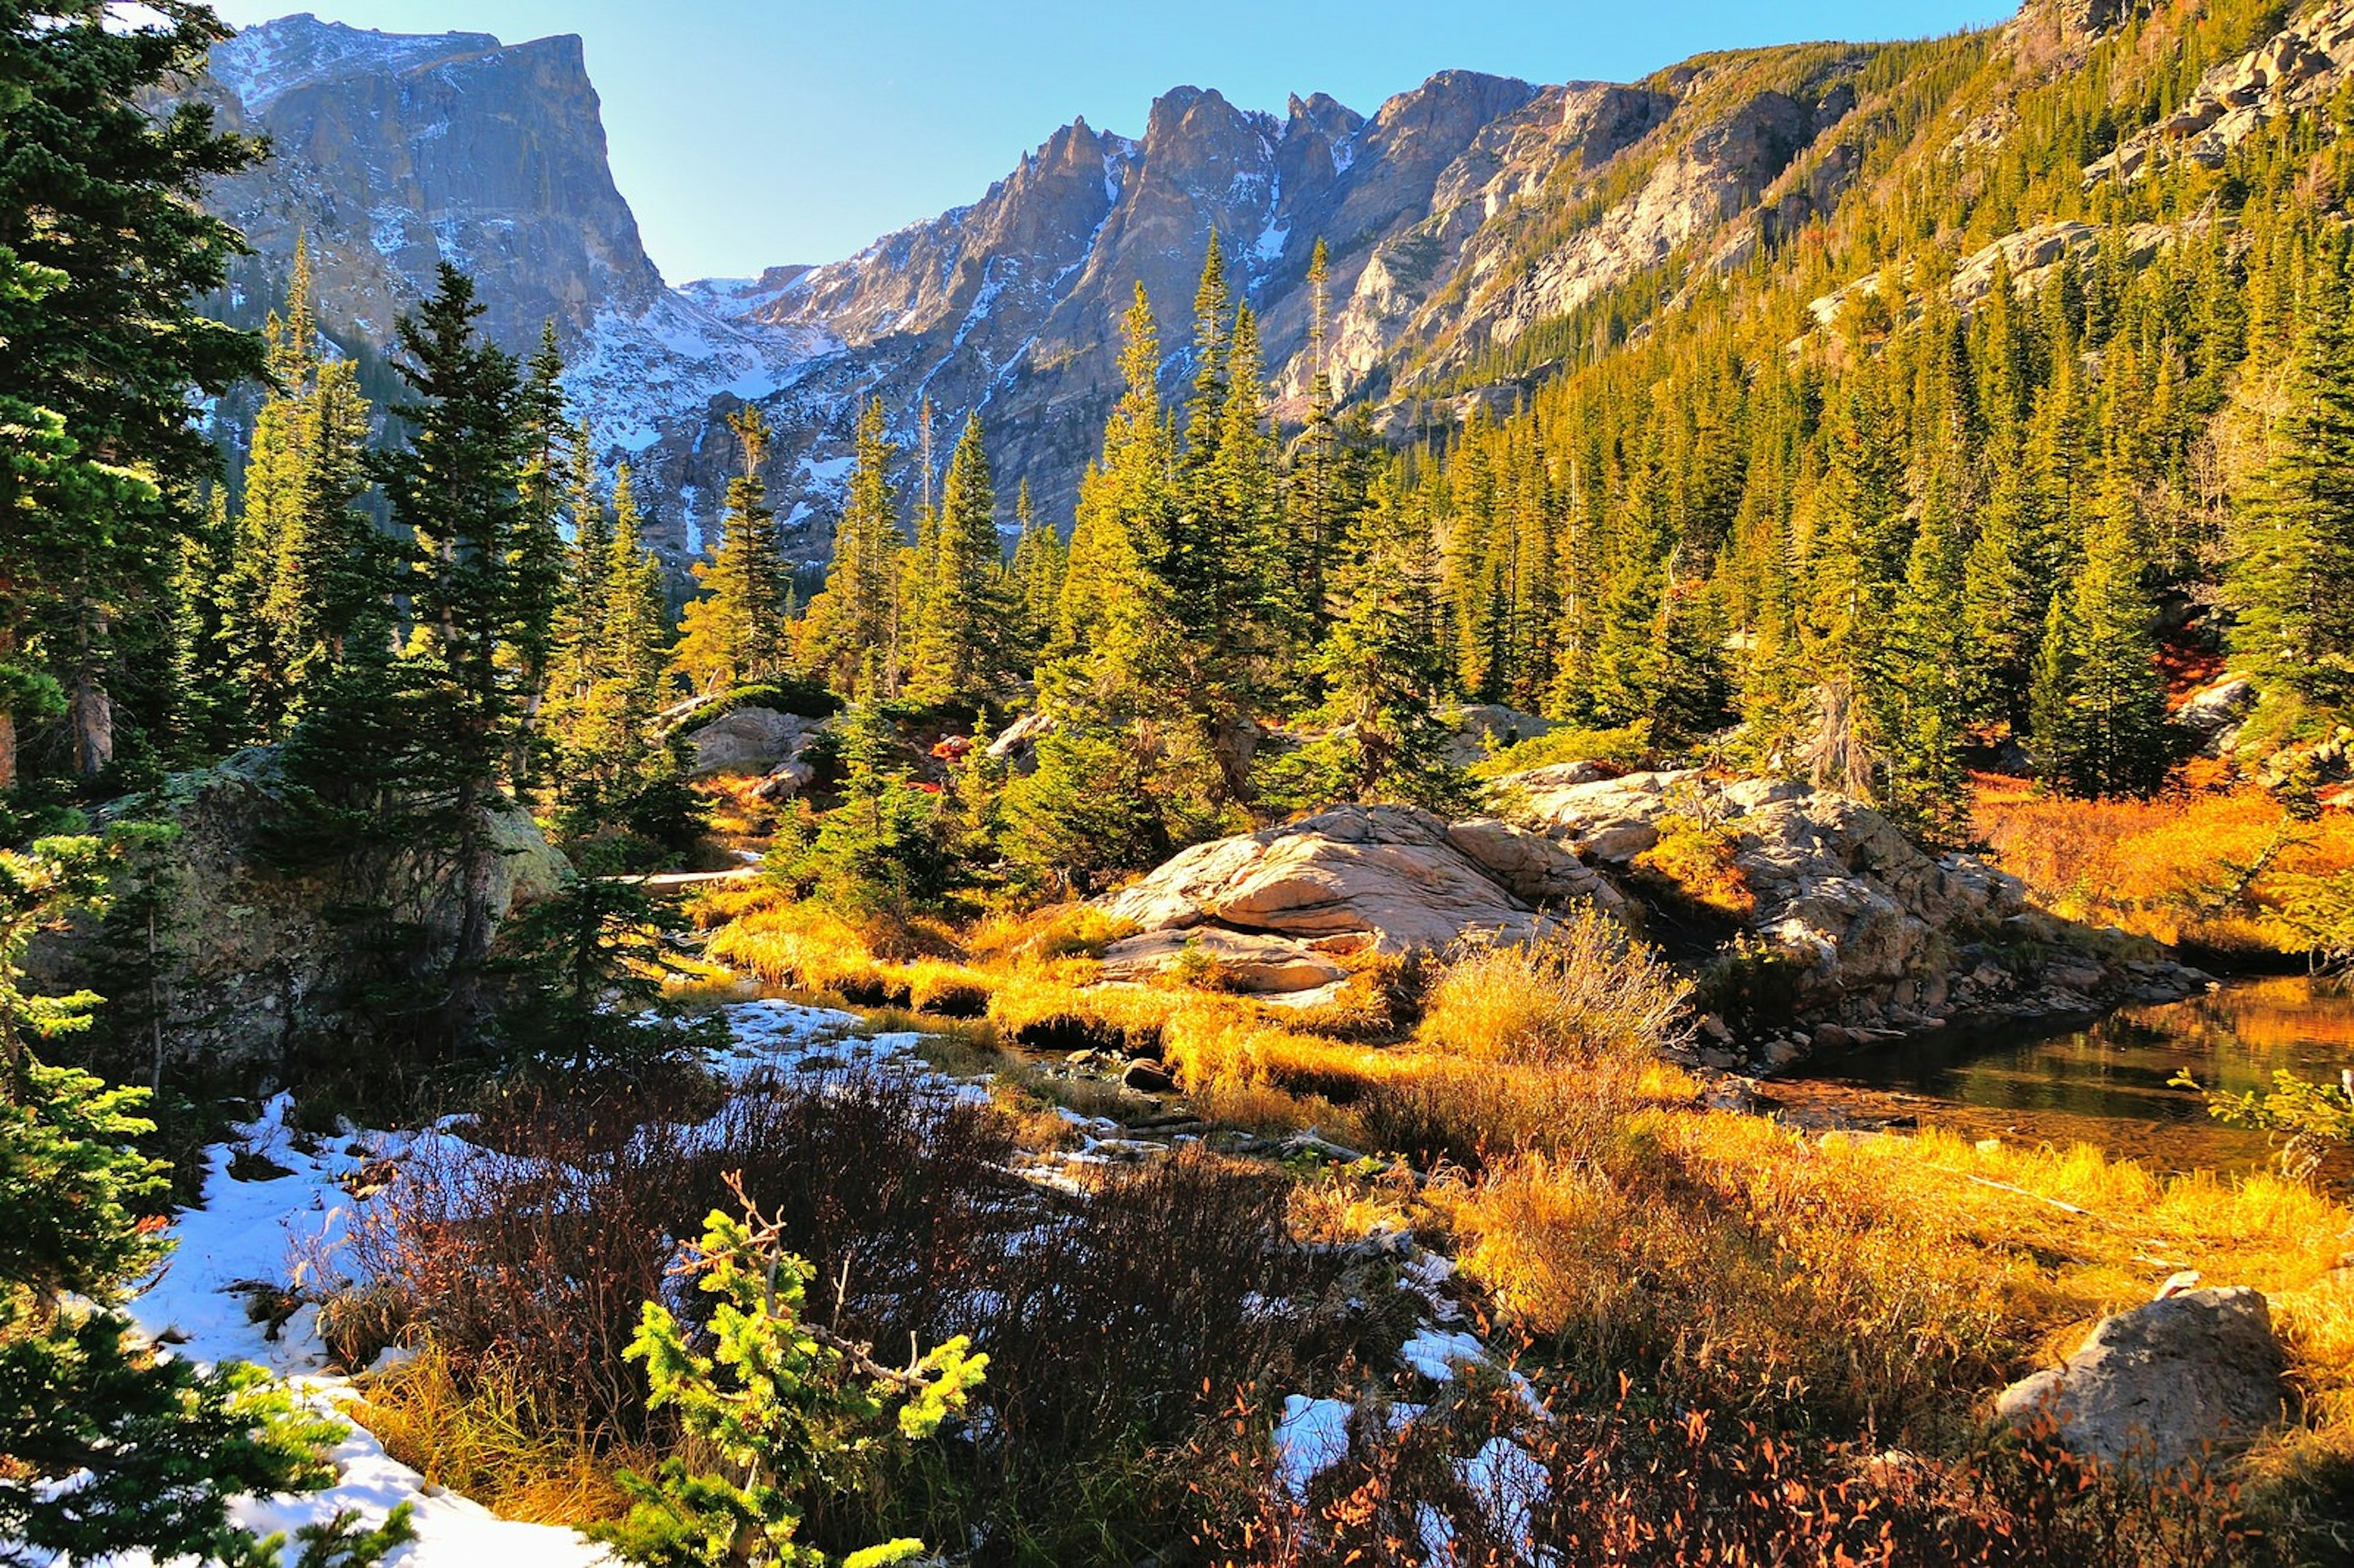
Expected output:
(884, 850)
(1384, 665)
(107, 1447)
(1040, 560)
(2052, 703)
(1693, 697)
(1919, 688)
(536, 563)
(848, 635)
(614, 769)
(270, 524)
(736, 629)
(2292, 581)
(456, 490)
(2001, 608)
(959, 643)
(1108, 651)
(2100, 703)
(105, 247)
(1315, 507)
(778, 1408)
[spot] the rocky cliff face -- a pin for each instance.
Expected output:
(393, 154)
(396, 154)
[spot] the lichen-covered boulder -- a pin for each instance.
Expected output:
(246, 951)
(2164, 1383)
(749, 741)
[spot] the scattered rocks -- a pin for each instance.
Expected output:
(2213, 714)
(787, 781)
(2161, 1383)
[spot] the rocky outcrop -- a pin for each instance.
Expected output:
(2211, 716)
(2300, 66)
(1482, 729)
(1851, 929)
(1830, 928)
(1387, 879)
(757, 741)
(2188, 1375)
(1252, 961)
(247, 953)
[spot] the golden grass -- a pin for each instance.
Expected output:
(1582, 993)
(485, 1443)
(2156, 868)
(1897, 1280)
(1059, 931)
(1890, 1282)
(738, 815)
(1698, 860)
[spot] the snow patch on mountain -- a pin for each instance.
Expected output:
(633, 374)
(263, 64)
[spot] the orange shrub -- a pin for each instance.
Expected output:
(2164, 868)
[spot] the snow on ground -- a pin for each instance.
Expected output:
(1311, 1437)
(271, 1232)
(1504, 1479)
(636, 373)
(267, 1231)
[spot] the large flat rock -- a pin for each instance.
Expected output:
(1252, 961)
(1388, 878)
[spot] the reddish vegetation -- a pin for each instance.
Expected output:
(2166, 868)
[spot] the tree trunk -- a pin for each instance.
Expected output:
(7, 714)
(475, 857)
(91, 706)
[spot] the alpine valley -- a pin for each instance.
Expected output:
(1545, 824)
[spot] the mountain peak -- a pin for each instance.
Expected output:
(274, 58)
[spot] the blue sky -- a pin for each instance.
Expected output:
(746, 134)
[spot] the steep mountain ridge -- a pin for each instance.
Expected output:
(392, 154)
(1477, 225)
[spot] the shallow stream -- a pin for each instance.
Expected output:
(2106, 1084)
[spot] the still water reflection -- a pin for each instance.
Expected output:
(2106, 1084)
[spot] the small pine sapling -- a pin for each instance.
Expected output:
(787, 1409)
